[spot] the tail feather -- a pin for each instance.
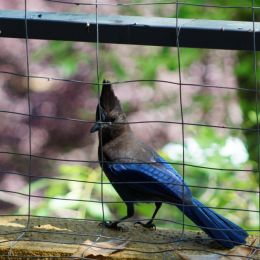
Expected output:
(216, 226)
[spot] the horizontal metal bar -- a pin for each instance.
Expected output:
(194, 33)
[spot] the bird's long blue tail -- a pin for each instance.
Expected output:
(216, 226)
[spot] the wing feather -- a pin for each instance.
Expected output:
(149, 181)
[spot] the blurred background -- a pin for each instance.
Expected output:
(221, 144)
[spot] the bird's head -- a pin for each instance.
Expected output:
(109, 114)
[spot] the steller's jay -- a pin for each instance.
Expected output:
(139, 174)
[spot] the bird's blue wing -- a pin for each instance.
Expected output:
(155, 181)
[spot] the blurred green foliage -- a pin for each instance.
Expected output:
(64, 55)
(165, 57)
(249, 78)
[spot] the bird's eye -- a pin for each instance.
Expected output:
(103, 114)
(112, 119)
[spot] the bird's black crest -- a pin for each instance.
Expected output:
(108, 99)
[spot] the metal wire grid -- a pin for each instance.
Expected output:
(178, 4)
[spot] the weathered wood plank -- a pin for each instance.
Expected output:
(52, 237)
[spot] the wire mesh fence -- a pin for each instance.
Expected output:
(75, 178)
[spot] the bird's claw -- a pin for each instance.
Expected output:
(112, 225)
(146, 225)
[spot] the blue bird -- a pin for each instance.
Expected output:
(139, 174)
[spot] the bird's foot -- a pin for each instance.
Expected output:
(149, 225)
(112, 225)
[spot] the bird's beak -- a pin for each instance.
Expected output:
(95, 127)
